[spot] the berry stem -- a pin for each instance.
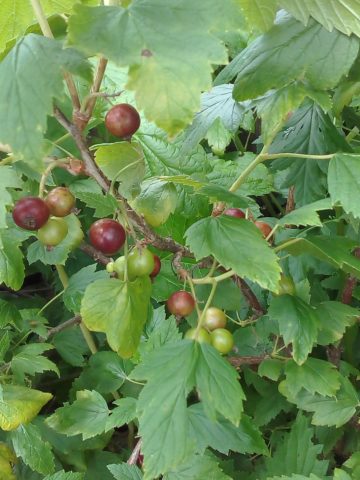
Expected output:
(207, 305)
(47, 172)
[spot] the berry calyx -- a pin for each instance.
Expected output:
(107, 235)
(122, 120)
(264, 228)
(181, 303)
(140, 262)
(214, 318)
(60, 201)
(202, 337)
(53, 232)
(157, 267)
(222, 340)
(30, 213)
(234, 212)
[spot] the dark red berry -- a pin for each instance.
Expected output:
(122, 120)
(234, 212)
(30, 213)
(157, 267)
(107, 235)
(265, 228)
(181, 303)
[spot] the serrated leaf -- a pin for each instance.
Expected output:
(221, 236)
(298, 324)
(341, 475)
(87, 416)
(159, 79)
(295, 477)
(104, 205)
(307, 214)
(222, 435)
(344, 15)
(125, 412)
(260, 14)
(315, 376)
(200, 467)
(125, 472)
(71, 346)
(353, 463)
(218, 385)
(9, 179)
(77, 285)
(334, 318)
(218, 137)
(7, 458)
(20, 405)
(169, 372)
(8, 313)
(327, 411)
(59, 254)
(119, 309)
(30, 361)
(41, 60)
(65, 476)
(5, 339)
(344, 182)
(271, 368)
(297, 453)
(268, 62)
(123, 162)
(32, 449)
(12, 269)
(165, 333)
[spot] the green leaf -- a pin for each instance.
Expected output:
(295, 477)
(353, 463)
(169, 372)
(315, 376)
(222, 435)
(218, 385)
(158, 78)
(7, 459)
(30, 361)
(77, 285)
(59, 254)
(341, 475)
(260, 14)
(65, 476)
(8, 179)
(344, 15)
(86, 416)
(222, 236)
(105, 373)
(268, 62)
(12, 269)
(71, 346)
(5, 339)
(271, 368)
(34, 452)
(20, 405)
(334, 318)
(167, 332)
(218, 137)
(200, 467)
(125, 412)
(307, 215)
(125, 472)
(123, 162)
(297, 453)
(327, 411)
(20, 101)
(308, 131)
(218, 193)
(298, 324)
(119, 309)
(344, 182)
(104, 205)
(9, 314)
(334, 250)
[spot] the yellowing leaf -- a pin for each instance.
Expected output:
(7, 458)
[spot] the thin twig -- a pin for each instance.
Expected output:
(135, 454)
(246, 360)
(91, 100)
(95, 254)
(63, 326)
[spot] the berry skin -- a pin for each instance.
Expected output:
(30, 213)
(122, 120)
(181, 303)
(234, 212)
(110, 267)
(265, 228)
(203, 335)
(222, 340)
(60, 201)
(53, 232)
(157, 267)
(140, 262)
(107, 235)
(214, 318)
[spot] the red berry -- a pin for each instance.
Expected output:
(60, 201)
(181, 303)
(157, 267)
(107, 235)
(234, 212)
(265, 228)
(30, 213)
(122, 120)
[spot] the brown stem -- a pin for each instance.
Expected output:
(90, 104)
(250, 296)
(246, 360)
(63, 326)
(290, 204)
(95, 254)
(135, 454)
